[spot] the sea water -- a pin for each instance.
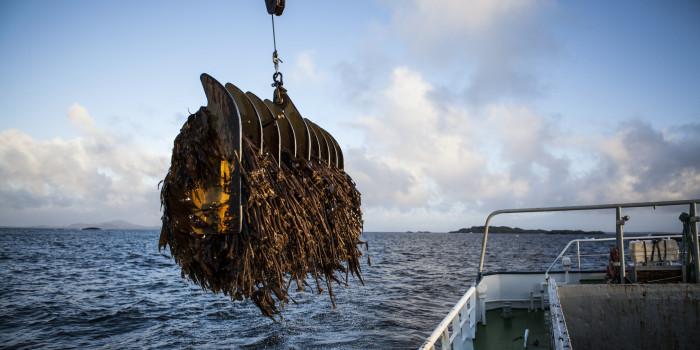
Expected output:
(114, 289)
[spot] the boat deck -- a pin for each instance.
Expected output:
(636, 308)
(632, 316)
(507, 333)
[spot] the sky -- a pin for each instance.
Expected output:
(445, 110)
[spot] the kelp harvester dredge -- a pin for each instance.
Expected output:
(256, 199)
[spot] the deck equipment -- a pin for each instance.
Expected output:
(256, 198)
(652, 301)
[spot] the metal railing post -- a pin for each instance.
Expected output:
(483, 246)
(578, 255)
(696, 240)
(619, 223)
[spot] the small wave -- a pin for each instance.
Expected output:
(64, 289)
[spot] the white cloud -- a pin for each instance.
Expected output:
(438, 19)
(96, 175)
(496, 45)
(639, 162)
(383, 185)
(304, 69)
(80, 117)
(441, 149)
(427, 158)
(450, 128)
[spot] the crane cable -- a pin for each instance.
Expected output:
(275, 8)
(277, 79)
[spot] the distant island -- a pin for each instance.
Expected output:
(508, 229)
(93, 226)
(418, 232)
(109, 225)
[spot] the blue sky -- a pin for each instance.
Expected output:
(445, 110)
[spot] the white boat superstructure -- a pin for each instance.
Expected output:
(651, 303)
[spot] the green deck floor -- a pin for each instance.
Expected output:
(502, 334)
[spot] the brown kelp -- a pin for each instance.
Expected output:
(251, 221)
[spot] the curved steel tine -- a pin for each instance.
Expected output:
(301, 132)
(323, 143)
(252, 128)
(339, 152)
(314, 140)
(226, 114)
(331, 149)
(287, 138)
(332, 153)
(270, 130)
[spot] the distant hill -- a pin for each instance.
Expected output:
(508, 229)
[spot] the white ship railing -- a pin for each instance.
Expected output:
(560, 333)
(619, 224)
(462, 321)
(606, 239)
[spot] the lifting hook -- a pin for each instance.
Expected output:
(275, 7)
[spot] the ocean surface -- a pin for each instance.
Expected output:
(113, 289)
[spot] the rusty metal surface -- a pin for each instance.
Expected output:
(325, 149)
(301, 132)
(323, 142)
(339, 153)
(313, 140)
(220, 103)
(332, 151)
(287, 136)
(227, 120)
(280, 127)
(271, 132)
(639, 316)
(252, 127)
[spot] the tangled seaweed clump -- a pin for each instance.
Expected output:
(300, 219)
